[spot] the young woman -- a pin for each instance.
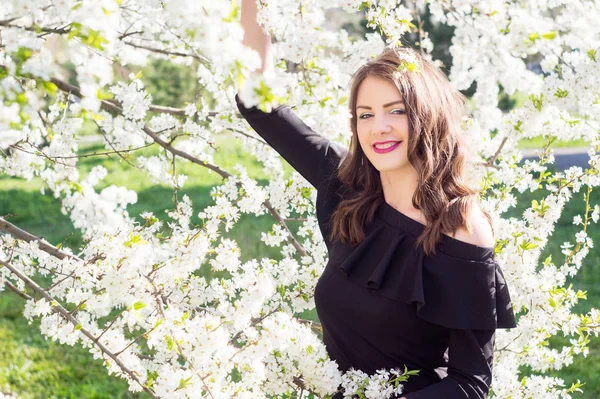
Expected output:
(411, 278)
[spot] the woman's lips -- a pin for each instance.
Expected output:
(383, 151)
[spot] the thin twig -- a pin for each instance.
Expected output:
(97, 154)
(159, 305)
(62, 311)
(17, 291)
(161, 51)
(124, 35)
(492, 161)
(103, 133)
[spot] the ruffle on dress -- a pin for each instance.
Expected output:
(461, 287)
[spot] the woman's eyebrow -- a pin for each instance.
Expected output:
(384, 105)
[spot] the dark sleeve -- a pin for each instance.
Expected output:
(308, 152)
(470, 361)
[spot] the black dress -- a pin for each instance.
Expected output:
(384, 304)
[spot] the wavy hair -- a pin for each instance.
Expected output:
(435, 149)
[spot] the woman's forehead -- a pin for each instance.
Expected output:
(377, 92)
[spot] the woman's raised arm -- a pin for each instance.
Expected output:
(311, 154)
(256, 37)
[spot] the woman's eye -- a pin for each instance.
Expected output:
(397, 111)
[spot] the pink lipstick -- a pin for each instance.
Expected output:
(384, 150)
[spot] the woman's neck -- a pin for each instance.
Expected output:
(399, 187)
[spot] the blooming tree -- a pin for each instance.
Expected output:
(130, 294)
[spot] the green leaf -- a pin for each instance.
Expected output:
(519, 126)
(575, 387)
(139, 305)
(534, 205)
(170, 343)
(281, 290)
(134, 239)
(537, 101)
(75, 29)
(104, 95)
(527, 245)
(184, 383)
(76, 186)
(581, 294)
(549, 35)
(592, 54)
(152, 376)
(305, 192)
(50, 87)
(233, 14)
(560, 93)
(78, 327)
(21, 99)
(23, 54)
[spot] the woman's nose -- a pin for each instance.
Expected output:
(381, 124)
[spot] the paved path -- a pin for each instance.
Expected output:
(564, 158)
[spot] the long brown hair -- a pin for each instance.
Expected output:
(436, 150)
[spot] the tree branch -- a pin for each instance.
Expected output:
(107, 153)
(161, 51)
(112, 105)
(17, 291)
(36, 29)
(28, 237)
(58, 308)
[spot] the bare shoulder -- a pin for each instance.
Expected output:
(481, 234)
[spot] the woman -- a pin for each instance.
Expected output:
(411, 278)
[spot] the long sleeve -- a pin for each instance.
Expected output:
(470, 362)
(311, 154)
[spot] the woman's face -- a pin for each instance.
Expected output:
(381, 117)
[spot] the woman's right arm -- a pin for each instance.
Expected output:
(308, 152)
(256, 37)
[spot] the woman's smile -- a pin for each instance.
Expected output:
(388, 146)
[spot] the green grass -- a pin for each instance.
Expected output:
(538, 142)
(33, 367)
(37, 368)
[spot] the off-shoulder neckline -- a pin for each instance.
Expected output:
(448, 244)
